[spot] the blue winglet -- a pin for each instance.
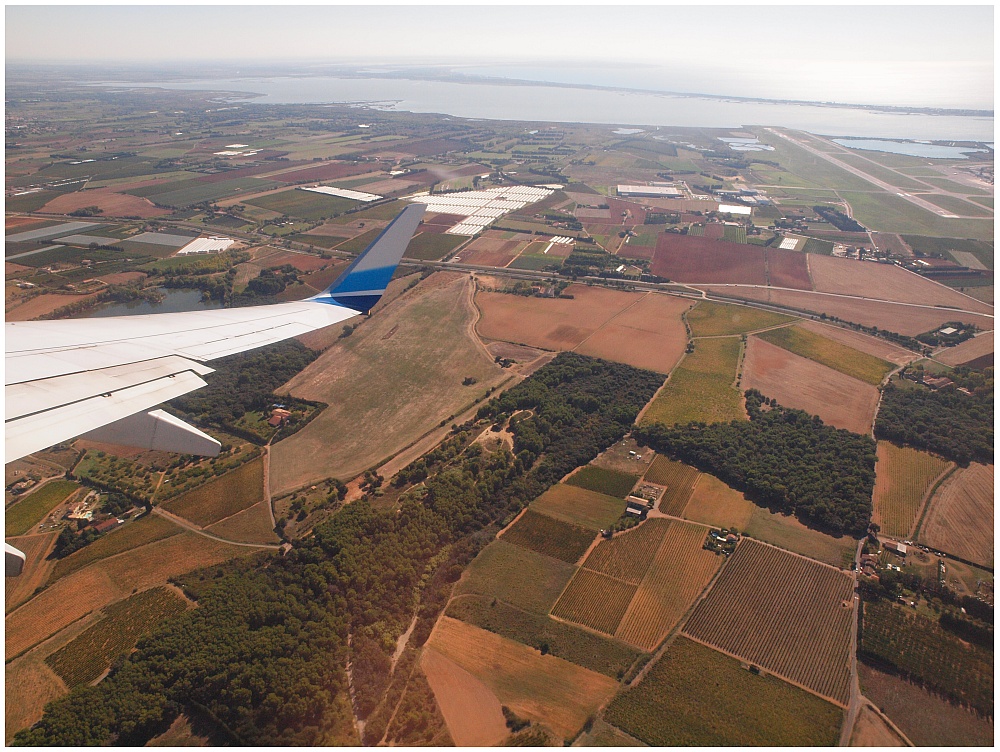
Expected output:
(363, 283)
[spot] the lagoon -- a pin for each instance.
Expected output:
(176, 300)
(909, 148)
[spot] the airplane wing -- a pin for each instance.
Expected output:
(99, 377)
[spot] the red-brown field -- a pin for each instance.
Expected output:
(633, 214)
(885, 282)
(439, 223)
(22, 223)
(714, 231)
(329, 171)
(490, 251)
(787, 269)
(649, 334)
(111, 203)
(902, 318)
(865, 343)
(784, 613)
(968, 351)
(684, 258)
(838, 400)
(471, 711)
(960, 518)
(43, 304)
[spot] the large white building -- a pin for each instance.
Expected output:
(213, 244)
(649, 191)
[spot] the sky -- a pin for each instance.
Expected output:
(918, 55)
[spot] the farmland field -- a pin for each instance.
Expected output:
(960, 517)
(903, 476)
(927, 719)
(471, 711)
(701, 388)
(549, 536)
(595, 600)
(430, 246)
(604, 655)
(796, 382)
(715, 503)
(871, 730)
(402, 371)
(788, 533)
(627, 555)
(902, 318)
(829, 352)
(252, 525)
(37, 568)
(695, 696)
(541, 688)
(516, 576)
(303, 204)
(967, 351)
(676, 576)
(23, 515)
(146, 529)
(683, 258)
(921, 649)
(878, 348)
(678, 478)
(787, 268)
(579, 506)
(87, 656)
(603, 481)
(222, 497)
(783, 613)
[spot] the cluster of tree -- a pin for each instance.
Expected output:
(73, 538)
(244, 382)
(265, 653)
(87, 211)
(948, 422)
(782, 458)
(838, 219)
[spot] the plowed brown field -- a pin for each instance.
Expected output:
(960, 519)
(112, 204)
(685, 258)
(471, 711)
(787, 269)
(797, 382)
(784, 613)
(968, 351)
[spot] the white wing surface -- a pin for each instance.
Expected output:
(67, 378)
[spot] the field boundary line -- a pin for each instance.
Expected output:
(191, 527)
(765, 670)
(878, 711)
(844, 572)
(926, 501)
(627, 308)
(38, 645)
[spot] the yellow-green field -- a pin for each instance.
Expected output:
(252, 525)
(23, 515)
(833, 354)
(701, 388)
(788, 533)
(715, 503)
(523, 578)
(902, 478)
(579, 506)
(716, 319)
(223, 496)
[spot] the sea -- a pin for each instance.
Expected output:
(568, 104)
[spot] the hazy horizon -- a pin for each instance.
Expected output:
(922, 56)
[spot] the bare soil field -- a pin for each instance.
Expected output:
(541, 688)
(440, 222)
(518, 353)
(871, 730)
(490, 252)
(37, 568)
(102, 583)
(715, 503)
(901, 318)
(43, 304)
(685, 258)
(890, 242)
(787, 269)
(786, 614)
(967, 351)
(885, 282)
(903, 476)
(879, 348)
(797, 382)
(23, 223)
(960, 518)
(550, 323)
(112, 203)
(677, 575)
(787, 532)
(617, 457)
(252, 525)
(402, 371)
(649, 334)
(471, 711)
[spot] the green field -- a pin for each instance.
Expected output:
(223, 496)
(535, 262)
(804, 169)
(956, 205)
(830, 353)
(92, 652)
(604, 481)
(429, 246)
(602, 654)
(887, 212)
(515, 575)
(579, 506)
(549, 536)
(186, 192)
(788, 533)
(701, 388)
(694, 696)
(981, 250)
(380, 212)
(144, 530)
(304, 204)
(715, 319)
(734, 233)
(815, 245)
(23, 515)
(360, 243)
(952, 187)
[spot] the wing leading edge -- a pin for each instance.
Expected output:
(71, 377)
